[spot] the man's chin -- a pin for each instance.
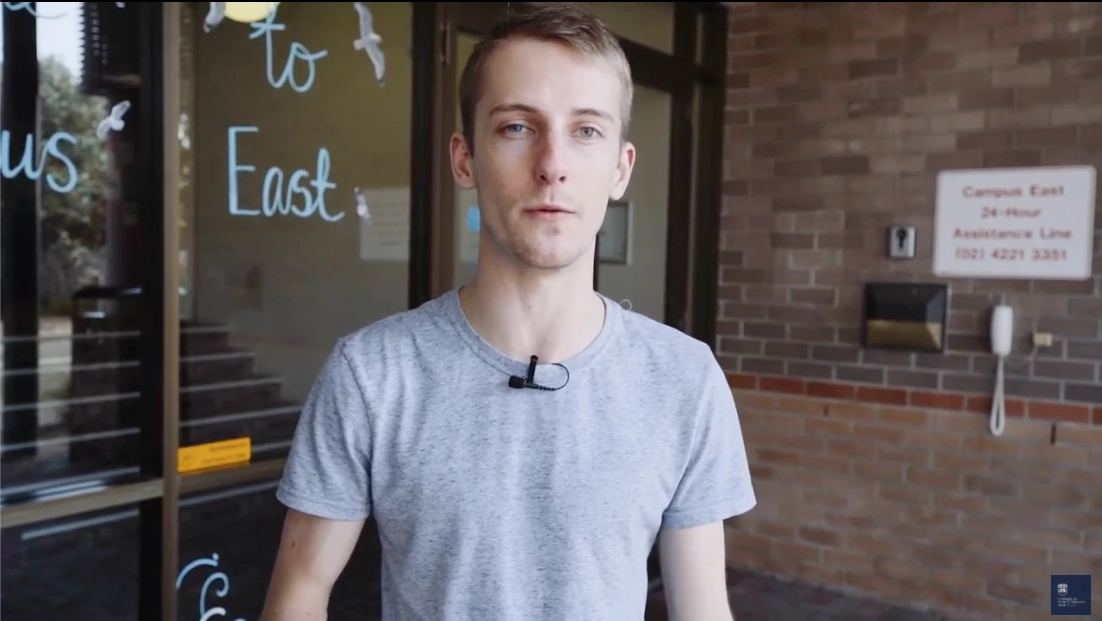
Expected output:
(548, 259)
(539, 252)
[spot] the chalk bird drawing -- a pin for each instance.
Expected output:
(114, 121)
(215, 15)
(369, 41)
(361, 205)
(26, 6)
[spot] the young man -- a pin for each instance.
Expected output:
(496, 500)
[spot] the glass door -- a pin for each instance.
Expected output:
(296, 206)
(80, 258)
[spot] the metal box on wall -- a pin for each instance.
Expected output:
(905, 316)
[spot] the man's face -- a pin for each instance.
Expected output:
(548, 154)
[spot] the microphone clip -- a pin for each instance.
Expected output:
(519, 381)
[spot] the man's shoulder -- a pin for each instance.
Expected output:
(400, 333)
(666, 346)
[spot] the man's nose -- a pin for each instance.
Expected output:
(551, 160)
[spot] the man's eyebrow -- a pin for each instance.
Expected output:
(519, 107)
(601, 114)
(512, 107)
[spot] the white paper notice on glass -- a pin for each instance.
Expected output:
(1015, 223)
(384, 236)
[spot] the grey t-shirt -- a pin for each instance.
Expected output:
(499, 504)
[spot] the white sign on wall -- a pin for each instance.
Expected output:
(1020, 223)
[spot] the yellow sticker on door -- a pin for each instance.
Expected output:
(213, 455)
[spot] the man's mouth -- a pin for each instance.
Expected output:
(548, 209)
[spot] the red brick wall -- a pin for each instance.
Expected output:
(874, 468)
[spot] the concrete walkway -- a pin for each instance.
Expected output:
(88, 570)
(760, 598)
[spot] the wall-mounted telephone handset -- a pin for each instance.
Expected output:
(1002, 338)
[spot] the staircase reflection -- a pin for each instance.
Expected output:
(222, 396)
(94, 442)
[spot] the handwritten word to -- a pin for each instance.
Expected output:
(277, 196)
(10, 169)
(298, 51)
(207, 613)
(1022, 223)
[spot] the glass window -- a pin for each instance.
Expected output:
(70, 227)
(235, 532)
(81, 567)
(295, 218)
(295, 203)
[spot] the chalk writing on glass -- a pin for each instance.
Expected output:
(215, 14)
(361, 205)
(26, 6)
(208, 612)
(26, 165)
(265, 28)
(277, 199)
(369, 41)
(114, 121)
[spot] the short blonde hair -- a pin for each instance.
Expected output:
(564, 23)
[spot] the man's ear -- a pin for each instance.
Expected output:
(462, 162)
(622, 176)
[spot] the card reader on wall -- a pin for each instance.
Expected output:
(906, 316)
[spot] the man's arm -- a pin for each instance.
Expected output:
(313, 552)
(715, 485)
(326, 487)
(694, 575)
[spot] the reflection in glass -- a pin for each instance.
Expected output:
(69, 267)
(235, 532)
(81, 568)
(295, 205)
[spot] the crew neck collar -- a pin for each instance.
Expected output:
(512, 366)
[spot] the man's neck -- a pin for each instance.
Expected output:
(552, 315)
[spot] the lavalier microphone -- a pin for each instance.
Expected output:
(519, 381)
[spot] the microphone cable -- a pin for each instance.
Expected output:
(518, 381)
